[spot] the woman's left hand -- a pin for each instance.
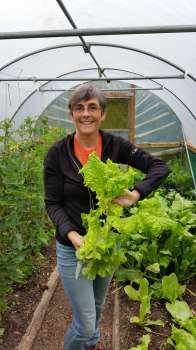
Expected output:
(128, 198)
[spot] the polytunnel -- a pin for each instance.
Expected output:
(72, 219)
(129, 48)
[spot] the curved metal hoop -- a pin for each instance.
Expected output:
(121, 70)
(99, 44)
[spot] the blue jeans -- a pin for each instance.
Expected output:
(86, 298)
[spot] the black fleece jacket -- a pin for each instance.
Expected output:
(66, 197)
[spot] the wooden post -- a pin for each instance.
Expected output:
(131, 117)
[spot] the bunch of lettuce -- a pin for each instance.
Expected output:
(100, 252)
(107, 180)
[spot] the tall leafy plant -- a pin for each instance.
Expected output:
(24, 225)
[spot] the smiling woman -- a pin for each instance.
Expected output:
(87, 117)
(87, 109)
(66, 198)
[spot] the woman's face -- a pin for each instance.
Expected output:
(87, 116)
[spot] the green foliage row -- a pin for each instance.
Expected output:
(24, 225)
(159, 237)
(180, 179)
(183, 330)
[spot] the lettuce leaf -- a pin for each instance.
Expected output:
(171, 289)
(183, 339)
(106, 179)
(144, 345)
(179, 310)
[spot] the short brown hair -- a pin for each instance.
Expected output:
(86, 92)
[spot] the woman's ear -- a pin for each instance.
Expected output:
(71, 114)
(103, 115)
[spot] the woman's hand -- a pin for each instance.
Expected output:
(128, 198)
(75, 238)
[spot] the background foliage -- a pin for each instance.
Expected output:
(24, 225)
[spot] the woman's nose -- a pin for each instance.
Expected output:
(86, 109)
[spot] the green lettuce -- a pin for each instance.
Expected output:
(106, 179)
(101, 251)
(183, 339)
(144, 345)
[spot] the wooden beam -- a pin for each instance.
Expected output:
(191, 147)
(116, 130)
(131, 118)
(160, 144)
(117, 94)
(169, 144)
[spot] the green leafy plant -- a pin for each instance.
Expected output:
(101, 252)
(182, 340)
(144, 343)
(144, 297)
(157, 240)
(179, 178)
(107, 180)
(179, 310)
(190, 325)
(24, 225)
(6, 134)
(171, 289)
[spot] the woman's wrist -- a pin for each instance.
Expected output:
(128, 198)
(135, 194)
(75, 238)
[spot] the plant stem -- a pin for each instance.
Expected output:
(157, 333)
(116, 290)
(190, 292)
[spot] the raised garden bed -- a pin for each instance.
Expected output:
(116, 328)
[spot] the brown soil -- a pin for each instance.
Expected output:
(130, 334)
(58, 317)
(24, 300)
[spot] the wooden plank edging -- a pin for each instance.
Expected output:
(38, 316)
(116, 325)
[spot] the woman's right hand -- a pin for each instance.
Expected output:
(75, 238)
(128, 198)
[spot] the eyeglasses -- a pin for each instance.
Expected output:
(90, 108)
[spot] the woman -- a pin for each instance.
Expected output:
(66, 198)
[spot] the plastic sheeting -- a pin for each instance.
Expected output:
(120, 55)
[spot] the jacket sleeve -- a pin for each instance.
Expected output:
(154, 168)
(54, 193)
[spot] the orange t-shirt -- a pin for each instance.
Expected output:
(82, 153)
